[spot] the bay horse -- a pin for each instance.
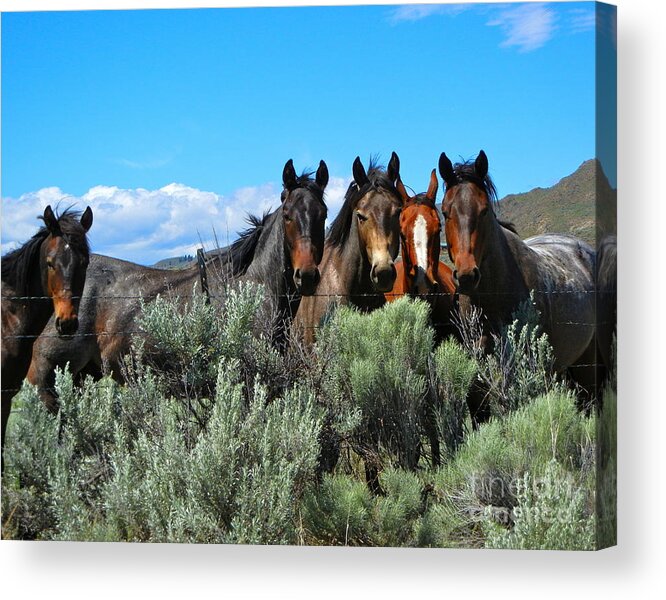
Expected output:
(495, 270)
(115, 289)
(357, 266)
(44, 277)
(420, 273)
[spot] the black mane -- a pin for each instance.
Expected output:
(465, 171)
(340, 228)
(239, 255)
(508, 225)
(17, 264)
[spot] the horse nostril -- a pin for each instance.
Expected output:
(455, 275)
(297, 274)
(477, 275)
(57, 323)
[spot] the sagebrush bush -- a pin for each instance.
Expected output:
(521, 364)
(219, 437)
(151, 461)
(381, 370)
(455, 371)
(483, 476)
(551, 513)
(341, 511)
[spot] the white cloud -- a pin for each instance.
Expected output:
(416, 12)
(525, 26)
(145, 226)
(582, 20)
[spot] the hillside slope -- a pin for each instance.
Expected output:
(567, 207)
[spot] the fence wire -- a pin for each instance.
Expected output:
(169, 295)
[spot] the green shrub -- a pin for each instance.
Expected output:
(483, 477)
(521, 364)
(551, 514)
(148, 461)
(381, 371)
(341, 511)
(456, 371)
(32, 437)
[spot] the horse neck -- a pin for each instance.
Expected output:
(353, 269)
(502, 286)
(32, 304)
(271, 264)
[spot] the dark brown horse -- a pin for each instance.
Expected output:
(358, 262)
(420, 273)
(43, 277)
(281, 250)
(495, 270)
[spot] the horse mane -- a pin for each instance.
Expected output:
(465, 171)
(17, 264)
(508, 225)
(338, 232)
(239, 255)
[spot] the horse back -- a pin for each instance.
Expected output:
(562, 275)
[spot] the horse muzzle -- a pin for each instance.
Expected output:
(307, 280)
(467, 281)
(383, 277)
(67, 326)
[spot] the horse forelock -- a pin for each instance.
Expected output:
(466, 172)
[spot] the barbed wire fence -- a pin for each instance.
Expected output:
(210, 296)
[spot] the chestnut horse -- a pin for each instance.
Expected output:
(420, 273)
(281, 250)
(358, 263)
(495, 270)
(43, 277)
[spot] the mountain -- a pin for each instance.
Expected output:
(567, 207)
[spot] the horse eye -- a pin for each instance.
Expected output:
(483, 211)
(445, 214)
(49, 264)
(361, 218)
(287, 218)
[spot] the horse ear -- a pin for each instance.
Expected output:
(402, 191)
(321, 179)
(50, 220)
(481, 165)
(87, 219)
(393, 170)
(446, 170)
(431, 194)
(289, 175)
(360, 176)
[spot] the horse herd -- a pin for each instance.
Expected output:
(61, 304)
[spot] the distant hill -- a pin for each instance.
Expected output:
(567, 207)
(176, 262)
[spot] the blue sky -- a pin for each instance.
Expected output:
(170, 122)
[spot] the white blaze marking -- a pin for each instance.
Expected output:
(421, 244)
